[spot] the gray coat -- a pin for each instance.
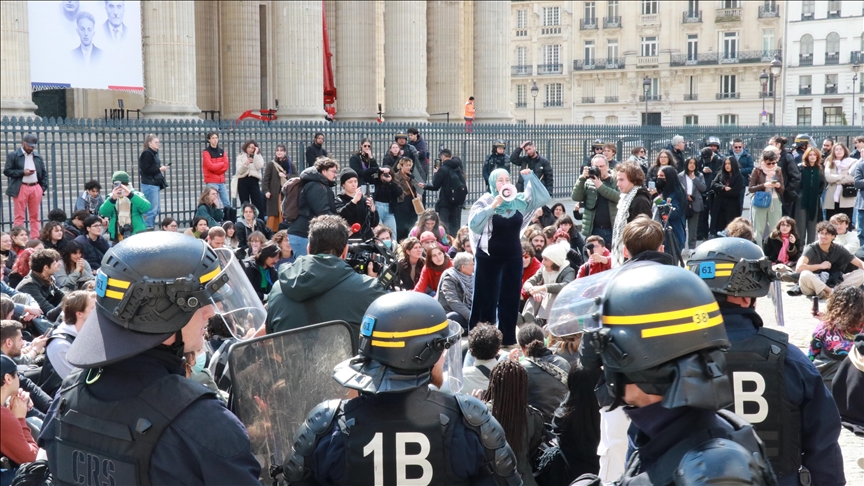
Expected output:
(858, 174)
(698, 188)
(451, 296)
(14, 170)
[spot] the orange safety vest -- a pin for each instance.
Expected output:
(469, 109)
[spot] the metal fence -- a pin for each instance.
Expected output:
(78, 150)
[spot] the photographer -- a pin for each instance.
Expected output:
(125, 209)
(355, 207)
(597, 192)
(321, 286)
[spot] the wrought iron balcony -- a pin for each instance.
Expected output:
(550, 69)
(728, 15)
(769, 11)
(739, 57)
(830, 89)
(805, 59)
(553, 104)
(766, 94)
(804, 90)
(588, 24)
(807, 16)
(833, 14)
(587, 99)
(589, 64)
(612, 22)
(521, 32)
(728, 96)
(692, 17)
(521, 104)
(522, 70)
(691, 97)
(832, 58)
(650, 98)
(611, 99)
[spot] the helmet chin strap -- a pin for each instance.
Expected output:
(178, 346)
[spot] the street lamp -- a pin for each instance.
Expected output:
(855, 68)
(646, 85)
(763, 80)
(776, 67)
(534, 92)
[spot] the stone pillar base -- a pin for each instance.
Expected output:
(355, 116)
(169, 111)
(19, 108)
(302, 115)
(406, 116)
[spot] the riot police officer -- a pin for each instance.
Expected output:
(495, 160)
(399, 430)
(776, 387)
(661, 345)
(129, 415)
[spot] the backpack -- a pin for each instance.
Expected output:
(456, 191)
(291, 198)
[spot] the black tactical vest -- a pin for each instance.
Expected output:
(755, 368)
(103, 443)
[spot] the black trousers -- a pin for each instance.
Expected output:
(249, 190)
(451, 217)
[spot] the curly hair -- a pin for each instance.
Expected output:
(845, 310)
(508, 394)
(484, 341)
(531, 338)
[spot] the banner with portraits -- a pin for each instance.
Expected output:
(91, 44)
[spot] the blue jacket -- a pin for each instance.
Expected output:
(745, 161)
(858, 174)
(820, 420)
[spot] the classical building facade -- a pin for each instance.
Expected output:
(825, 45)
(417, 60)
(597, 62)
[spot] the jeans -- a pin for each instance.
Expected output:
(298, 245)
(692, 225)
(605, 233)
(861, 226)
(223, 193)
(385, 217)
(152, 195)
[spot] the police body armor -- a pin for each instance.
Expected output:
(395, 438)
(755, 367)
(112, 442)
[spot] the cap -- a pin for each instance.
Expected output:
(121, 177)
(7, 366)
(31, 140)
(347, 174)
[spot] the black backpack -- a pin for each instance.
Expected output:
(456, 190)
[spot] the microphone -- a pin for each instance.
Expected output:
(355, 228)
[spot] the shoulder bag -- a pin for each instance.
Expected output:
(416, 201)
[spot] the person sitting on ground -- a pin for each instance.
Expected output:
(506, 398)
(783, 246)
(52, 235)
(428, 241)
(436, 263)
(90, 200)
(599, 258)
(12, 343)
(484, 343)
(561, 237)
(410, 262)
(6, 251)
(547, 373)
(530, 266)
(740, 227)
(93, 245)
(825, 256)
(538, 240)
(833, 337)
(207, 207)
(643, 241)
(848, 388)
(261, 271)
(169, 224)
(199, 228)
(77, 306)
(254, 242)
(460, 240)
(74, 271)
(248, 224)
(231, 240)
(456, 289)
(577, 242)
(125, 209)
(16, 441)
(39, 283)
(385, 234)
(216, 237)
(75, 227)
(431, 223)
(21, 267)
(545, 285)
(286, 253)
(845, 238)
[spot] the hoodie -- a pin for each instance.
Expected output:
(316, 199)
(319, 284)
(441, 180)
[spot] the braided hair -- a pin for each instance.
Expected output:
(508, 394)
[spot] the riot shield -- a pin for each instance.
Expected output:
(279, 378)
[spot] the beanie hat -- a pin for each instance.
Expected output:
(561, 233)
(347, 174)
(426, 236)
(120, 176)
(556, 253)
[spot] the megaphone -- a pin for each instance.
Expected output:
(508, 192)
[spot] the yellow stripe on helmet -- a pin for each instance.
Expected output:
(681, 328)
(660, 316)
(407, 334)
(113, 294)
(727, 273)
(120, 284)
(388, 344)
(210, 276)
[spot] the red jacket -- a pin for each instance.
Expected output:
(595, 267)
(430, 278)
(215, 167)
(529, 272)
(16, 442)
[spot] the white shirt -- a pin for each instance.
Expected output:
(29, 164)
(473, 379)
(116, 32)
(87, 51)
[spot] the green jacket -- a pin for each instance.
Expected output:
(327, 285)
(213, 214)
(140, 205)
(587, 196)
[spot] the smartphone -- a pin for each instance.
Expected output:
(116, 184)
(169, 164)
(652, 186)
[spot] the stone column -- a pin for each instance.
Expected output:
(355, 61)
(445, 83)
(168, 34)
(240, 57)
(207, 54)
(492, 62)
(405, 58)
(15, 89)
(300, 59)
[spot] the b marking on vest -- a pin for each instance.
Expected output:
(755, 396)
(403, 459)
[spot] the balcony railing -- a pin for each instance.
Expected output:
(804, 90)
(769, 11)
(553, 104)
(691, 97)
(587, 99)
(588, 24)
(588, 64)
(650, 98)
(694, 17)
(522, 70)
(644, 61)
(832, 58)
(555, 29)
(521, 104)
(611, 99)
(612, 22)
(855, 56)
(833, 14)
(805, 59)
(550, 69)
(766, 94)
(728, 15)
(739, 57)
(807, 16)
(649, 19)
(830, 89)
(728, 96)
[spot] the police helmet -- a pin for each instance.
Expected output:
(400, 135)
(498, 143)
(803, 139)
(712, 140)
(147, 289)
(733, 266)
(663, 331)
(597, 144)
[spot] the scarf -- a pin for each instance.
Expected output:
(507, 208)
(266, 278)
(769, 173)
(618, 227)
(92, 202)
(465, 281)
(124, 212)
(783, 257)
(811, 192)
(841, 166)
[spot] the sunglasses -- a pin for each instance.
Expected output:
(366, 146)
(769, 164)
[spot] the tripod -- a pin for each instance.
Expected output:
(670, 243)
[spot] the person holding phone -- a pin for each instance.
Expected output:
(152, 174)
(126, 209)
(249, 164)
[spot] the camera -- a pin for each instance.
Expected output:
(126, 230)
(372, 253)
(593, 172)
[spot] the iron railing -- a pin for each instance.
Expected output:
(728, 96)
(830, 89)
(855, 57)
(728, 15)
(611, 99)
(692, 17)
(736, 57)
(804, 90)
(78, 150)
(768, 11)
(598, 63)
(522, 70)
(832, 58)
(691, 97)
(612, 22)
(766, 94)
(521, 104)
(550, 69)
(805, 59)
(588, 24)
(553, 104)
(658, 97)
(587, 99)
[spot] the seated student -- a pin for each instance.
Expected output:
(643, 241)
(456, 289)
(93, 245)
(484, 343)
(52, 235)
(530, 265)
(77, 306)
(561, 237)
(565, 222)
(16, 441)
(848, 388)
(827, 257)
(169, 224)
(261, 271)
(431, 223)
(436, 263)
(286, 253)
(832, 339)
(547, 373)
(845, 238)
(39, 283)
(74, 270)
(75, 227)
(740, 227)
(216, 238)
(248, 224)
(599, 257)
(199, 228)
(545, 285)
(90, 200)
(253, 243)
(12, 343)
(783, 246)
(411, 263)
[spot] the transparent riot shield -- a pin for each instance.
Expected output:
(279, 378)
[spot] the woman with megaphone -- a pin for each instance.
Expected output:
(497, 220)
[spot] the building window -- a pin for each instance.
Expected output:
(554, 94)
(692, 8)
(834, 9)
(588, 89)
(588, 120)
(728, 85)
(590, 12)
(804, 116)
(730, 45)
(731, 4)
(589, 53)
(808, 9)
(611, 51)
(649, 46)
(552, 54)
(832, 48)
(691, 94)
(727, 119)
(806, 45)
(551, 16)
(611, 90)
(521, 95)
(521, 56)
(522, 19)
(692, 47)
(691, 119)
(611, 120)
(649, 7)
(768, 42)
(654, 90)
(831, 84)
(804, 84)
(612, 9)
(833, 115)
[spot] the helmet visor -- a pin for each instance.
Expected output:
(453, 358)
(237, 305)
(579, 306)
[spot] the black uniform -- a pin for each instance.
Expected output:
(493, 161)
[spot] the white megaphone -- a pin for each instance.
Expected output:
(508, 192)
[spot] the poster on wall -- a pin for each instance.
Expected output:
(93, 45)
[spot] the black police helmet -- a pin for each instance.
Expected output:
(733, 266)
(597, 144)
(498, 143)
(148, 287)
(803, 138)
